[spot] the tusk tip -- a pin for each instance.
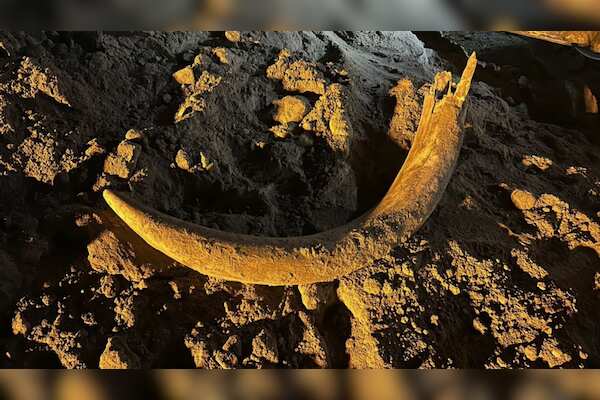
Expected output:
(114, 200)
(108, 195)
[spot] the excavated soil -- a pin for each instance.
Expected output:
(284, 134)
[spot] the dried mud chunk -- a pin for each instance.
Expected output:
(362, 347)
(118, 355)
(297, 76)
(134, 134)
(123, 162)
(280, 131)
(184, 76)
(94, 149)
(406, 114)
(183, 160)
(328, 118)
(312, 343)
(42, 157)
(221, 54)
(65, 344)
(129, 151)
(19, 325)
(552, 355)
(107, 286)
(264, 347)
(523, 200)
(554, 218)
(233, 36)
(200, 353)
(195, 102)
(207, 82)
(125, 311)
(527, 265)
(291, 109)
(41, 80)
(277, 70)
(541, 163)
(303, 77)
(117, 250)
(115, 165)
(317, 295)
(207, 351)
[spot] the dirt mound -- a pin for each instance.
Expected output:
(284, 134)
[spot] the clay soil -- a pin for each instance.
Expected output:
(284, 134)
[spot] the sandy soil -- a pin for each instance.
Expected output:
(285, 134)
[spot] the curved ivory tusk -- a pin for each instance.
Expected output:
(328, 255)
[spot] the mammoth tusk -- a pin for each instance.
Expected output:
(328, 255)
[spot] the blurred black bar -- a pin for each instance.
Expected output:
(299, 14)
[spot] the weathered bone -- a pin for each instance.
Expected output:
(328, 255)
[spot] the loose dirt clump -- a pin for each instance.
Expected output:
(288, 134)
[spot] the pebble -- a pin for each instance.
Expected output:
(184, 76)
(134, 134)
(183, 160)
(129, 151)
(221, 54)
(291, 109)
(233, 36)
(523, 200)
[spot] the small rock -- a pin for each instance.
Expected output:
(280, 131)
(434, 319)
(117, 355)
(523, 200)
(264, 346)
(552, 354)
(134, 134)
(232, 343)
(478, 325)
(94, 149)
(541, 163)
(205, 162)
(291, 109)
(129, 151)
(184, 76)
(183, 160)
(19, 325)
(115, 165)
(233, 36)
(124, 160)
(221, 54)
(317, 295)
(530, 352)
